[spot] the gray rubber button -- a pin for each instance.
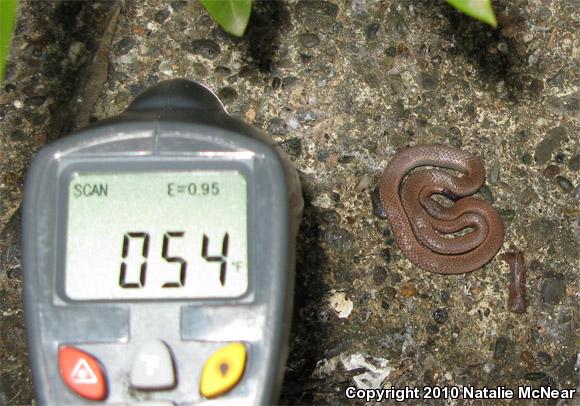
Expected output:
(153, 367)
(154, 403)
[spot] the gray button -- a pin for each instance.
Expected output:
(153, 367)
(154, 403)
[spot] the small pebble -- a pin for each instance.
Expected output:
(494, 173)
(125, 45)
(455, 137)
(533, 58)
(565, 184)
(206, 48)
(391, 51)
(293, 123)
(309, 40)
(551, 171)
(428, 80)
(386, 254)
(162, 15)
(408, 290)
(371, 31)
(432, 328)
(549, 143)
(277, 126)
(560, 157)
(553, 288)
(440, 315)
(330, 216)
(222, 71)
(166, 68)
(322, 155)
(380, 275)
(340, 239)
(534, 376)
(500, 347)
(377, 206)
(544, 358)
(227, 94)
(293, 146)
(502, 48)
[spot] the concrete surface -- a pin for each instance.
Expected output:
(342, 85)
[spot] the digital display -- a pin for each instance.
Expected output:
(156, 235)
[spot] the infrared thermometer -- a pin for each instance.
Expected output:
(158, 257)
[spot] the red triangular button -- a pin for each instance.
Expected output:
(82, 373)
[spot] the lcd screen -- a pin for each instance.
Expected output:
(156, 235)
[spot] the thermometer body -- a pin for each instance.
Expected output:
(158, 252)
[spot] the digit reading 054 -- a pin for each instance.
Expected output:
(159, 235)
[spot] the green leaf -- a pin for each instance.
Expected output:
(231, 15)
(7, 17)
(480, 9)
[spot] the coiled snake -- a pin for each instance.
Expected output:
(423, 228)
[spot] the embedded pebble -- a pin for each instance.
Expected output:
(380, 275)
(565, 184)
(277, 126)
(560, 157)
(377, 206)
(427, 80)
(330, 216)
(533, 58)
(551, 171)
(162, 15)
(309, 40)
(500, 347)
(386, 254)
(204, 47)
(293, 123)
(440, 315)
(227, 94)
(549, 143)
(324, 201)
(494, 173)
(341, 304)
(166, 68)
(340, 239)
(223, 71)
(553, 288)
(124, 45)
(371, 31)
(293, 146)
(544, 358)
(391, 51)
(534, 376)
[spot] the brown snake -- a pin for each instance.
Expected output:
(423, 228)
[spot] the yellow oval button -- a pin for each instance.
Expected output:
(223, 370)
